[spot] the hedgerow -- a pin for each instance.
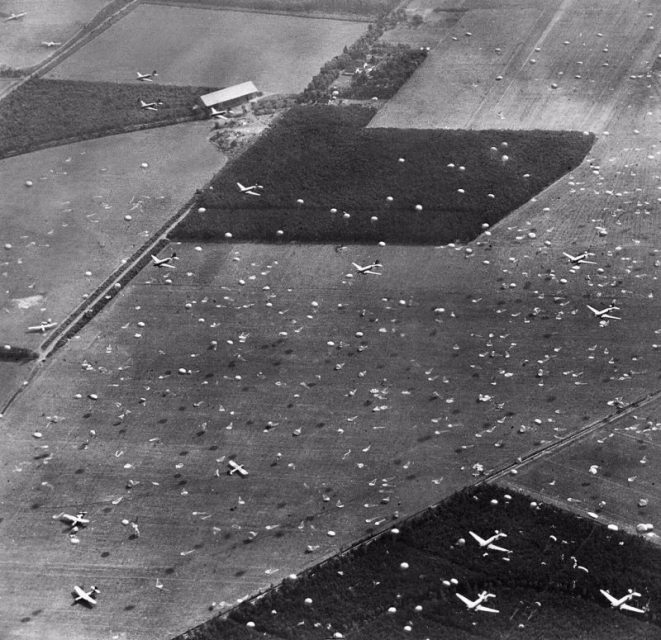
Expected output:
(9, 353)
(422, 186)
(44, 111)
(393, 65)
(351, 594)
(357, 7)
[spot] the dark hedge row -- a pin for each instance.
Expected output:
(43, 111)
(394, 67)
(10, 353)
(540, 586)
(324, 156)
(356, 7)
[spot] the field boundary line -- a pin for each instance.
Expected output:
(487, 478)
(79, 39)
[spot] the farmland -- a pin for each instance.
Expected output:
(41, 112)
(358, 8)
(608, 473)
(211, 48)
(56, 20)
(556, 65)
(64, 235)
(425, 378)
(406, 186)
(352, 400)
(400, 582)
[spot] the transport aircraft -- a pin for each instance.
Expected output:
(489, 542)
(151, 106)
(368, 268)
(251, 189)
(14, 16)
(579, 259)
(218, 115)
(50, 43)
(237, 468)
(77, 521)
(476, 605)
(604, 313)
(146, 77)
(621, 603)
(164, 262)
(42, 327)
(85, 597)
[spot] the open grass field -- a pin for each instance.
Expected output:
(64, 235)
(211, 48)
(399, 585)
(607, 473)
(326, 178)
(56, 20)
(426, 377)
(46, 111)
(452, 363)
(557, 65)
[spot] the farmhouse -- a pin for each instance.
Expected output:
(230, 96)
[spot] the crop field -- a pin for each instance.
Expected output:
(352, 400)
(64, 110)
(400, 584)
(55, 20)
(449, 365)
(325, 178)
(64, 235)
(211, 48)
(607, 473)
(552, 65)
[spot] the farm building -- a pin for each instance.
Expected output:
(230, 96)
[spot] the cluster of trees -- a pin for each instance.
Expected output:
(352, 593)
(326, 158)
(349, 7)
(46, 111)
(393, 65)
(318, 90)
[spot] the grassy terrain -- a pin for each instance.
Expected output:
(537, 588)
(325, 157)
(357, 7)
(44, 111)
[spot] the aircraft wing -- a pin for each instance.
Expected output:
(494, 547)
(606, 315)
(81, 595)
(595, 311)
(480, 541)
(628, 607)
(486, 609)
(252, 193)
(569, 255)
(465, 600)
(608, 596)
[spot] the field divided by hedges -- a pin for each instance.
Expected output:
(44, 111)
(538, 587)
(326, 158)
